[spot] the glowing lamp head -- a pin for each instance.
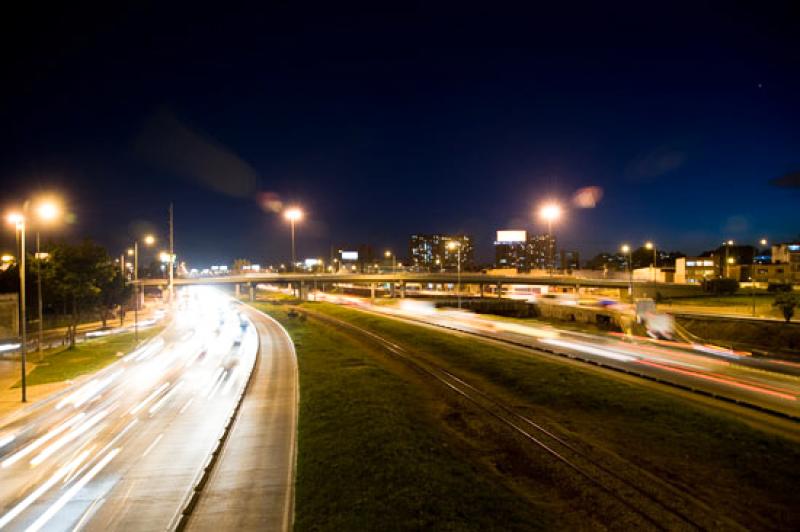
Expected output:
(387, 254)
(130, 252)
(649, 245)
(48, 210)
(763, 242)
(7, 258)
(453, 244)
(625, 248)
(164, 256)
(731, 260)
(729, 242)
(550, 212)
(15, 218)
(293, 214)
(149, 240)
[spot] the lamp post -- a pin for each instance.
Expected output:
(651, 245)
(47, 210)
(550, 212)
(388, 254)
(148, 240)
(454, 244)
(763, 242)
(727, 245)
(19, 224)
(293, 214)
(627, 249)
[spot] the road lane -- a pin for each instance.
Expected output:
(770, 384)
(121, 451)
(252, 484)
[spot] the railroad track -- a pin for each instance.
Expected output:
(654, 499)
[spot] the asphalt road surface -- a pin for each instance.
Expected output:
(123, 450)
(252, 484)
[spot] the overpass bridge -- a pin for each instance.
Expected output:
(495, 283)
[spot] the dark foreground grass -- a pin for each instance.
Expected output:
(373, 456)
(63, 364)
(742, 472)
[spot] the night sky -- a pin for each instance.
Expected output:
(385, 121)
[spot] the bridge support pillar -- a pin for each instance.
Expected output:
(480, 289)
(302, 291)
(393, 290)
(402, 290)
(372, 292)
(238, 290)
(252, 287)
(499, 290)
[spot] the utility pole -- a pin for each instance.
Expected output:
(39, 291)
(171, 254)
(23, 311)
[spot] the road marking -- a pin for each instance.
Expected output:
(150, 447)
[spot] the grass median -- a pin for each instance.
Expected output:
(372, 454)
(741, 471)
(63, 364)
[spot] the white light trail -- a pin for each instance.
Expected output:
(149, 398)
(72, 491)
(35, 494)
(22, 453)
(589, 349)
(150, 447)
(61, 442)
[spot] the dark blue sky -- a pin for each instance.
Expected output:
(382, 121)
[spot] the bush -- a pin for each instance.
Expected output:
(721, 286)
(779, 287)
(787, 302)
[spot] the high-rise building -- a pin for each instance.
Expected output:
(517, 249)
(432, 252)
(570, 260)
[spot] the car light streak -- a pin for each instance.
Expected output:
(5, 440)
(721, 380)
(35, 494)
(160, 402)
(149, 398)
(22, 453)
(72, 491)
(71, 435)
(217, 384)
(588, 349)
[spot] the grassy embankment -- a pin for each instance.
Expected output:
(372, 454)
(61, 363)
(347, 395)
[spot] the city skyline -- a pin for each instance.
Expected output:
(469, 135)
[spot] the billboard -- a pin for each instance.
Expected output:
(349, 255)
(512, 236)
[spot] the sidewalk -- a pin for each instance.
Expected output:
(11, 398)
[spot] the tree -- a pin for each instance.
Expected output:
(77, 275)
(787, 302)
(114, 293)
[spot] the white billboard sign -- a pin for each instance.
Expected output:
(512, 236)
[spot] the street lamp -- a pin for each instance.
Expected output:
(455, 244)
(46, 210)
(388, 254)
(550, 212)
(148, 240)
(293, 214)
(650, 245)
(763, 242)
(627, 249)
(727, 245)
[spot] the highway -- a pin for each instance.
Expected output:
(122, 450)
(768, 384)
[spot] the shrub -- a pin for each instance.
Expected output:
(721, 286)
(787, 302)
